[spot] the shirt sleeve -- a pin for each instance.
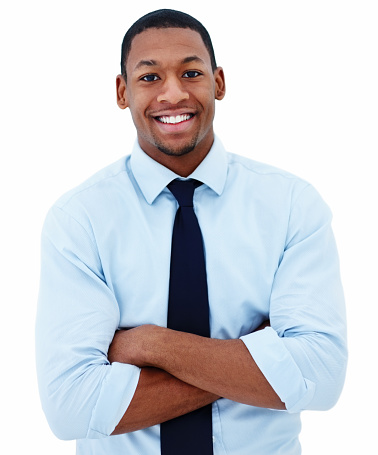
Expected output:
(82, 394)
(303, 355)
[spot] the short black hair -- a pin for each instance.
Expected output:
(165, 18)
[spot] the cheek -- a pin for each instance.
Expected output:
(137, 101)
(207, 100)
(209, 109)
(137, 112)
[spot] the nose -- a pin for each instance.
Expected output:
(172, 91)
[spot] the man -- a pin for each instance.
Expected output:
(277, 341)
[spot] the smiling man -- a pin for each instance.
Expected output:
(171, 90)
(190, 299)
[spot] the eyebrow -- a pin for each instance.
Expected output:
(192, 58)
(145, 63)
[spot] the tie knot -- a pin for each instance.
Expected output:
(183, 191)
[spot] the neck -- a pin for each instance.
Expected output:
(182, 165)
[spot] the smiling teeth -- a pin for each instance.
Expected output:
(173, 120)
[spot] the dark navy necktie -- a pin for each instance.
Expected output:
(188, 311)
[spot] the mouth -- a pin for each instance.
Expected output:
(174, 119)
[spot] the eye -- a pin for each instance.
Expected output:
(191, 74)
(149, 78)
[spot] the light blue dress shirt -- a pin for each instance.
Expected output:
(270, 253)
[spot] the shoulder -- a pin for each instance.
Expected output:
(273, 186)
(258, 168)
(104, 180)
(93, 202)
(263, 178)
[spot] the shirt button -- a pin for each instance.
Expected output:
(214, 439)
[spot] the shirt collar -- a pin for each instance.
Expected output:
(152, 177)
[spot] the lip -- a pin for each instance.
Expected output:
(172, 112)
(174, 127)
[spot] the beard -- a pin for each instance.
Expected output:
(176, 151)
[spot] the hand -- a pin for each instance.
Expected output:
(224, 368)
(133, 345)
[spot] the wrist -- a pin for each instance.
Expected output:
(147, 345)
(154, 347)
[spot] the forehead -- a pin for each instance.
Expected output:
(166, 46)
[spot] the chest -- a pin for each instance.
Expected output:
(242, 255)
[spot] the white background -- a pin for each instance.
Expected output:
(301, 94)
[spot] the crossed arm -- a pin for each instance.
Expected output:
(182, 372)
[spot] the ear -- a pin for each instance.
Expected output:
(122, 100)
(220, 84)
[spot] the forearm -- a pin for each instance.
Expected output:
(159, 397)
(222, 367)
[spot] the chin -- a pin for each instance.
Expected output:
(178, 150)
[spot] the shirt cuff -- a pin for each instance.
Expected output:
(116, 393)
(279, 368)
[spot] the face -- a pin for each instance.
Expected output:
(171, 91)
